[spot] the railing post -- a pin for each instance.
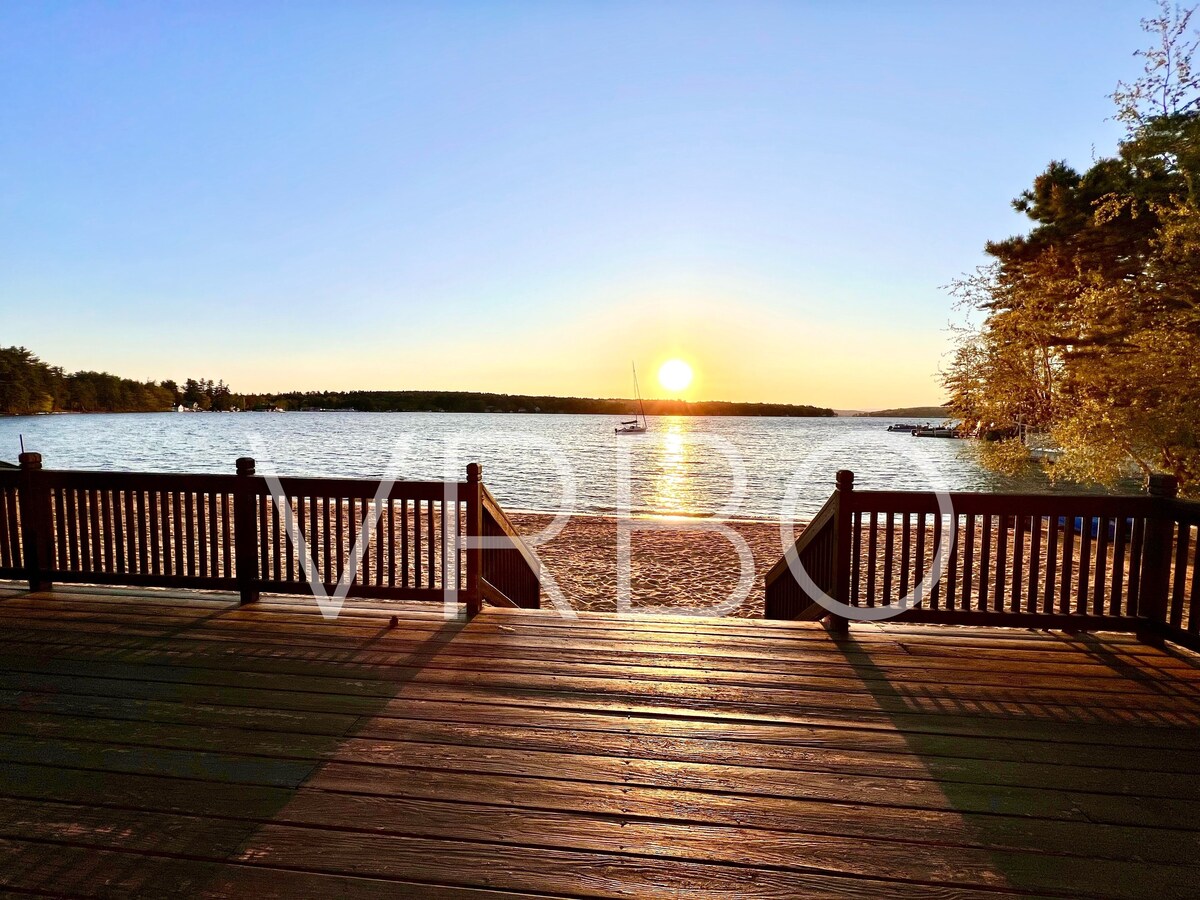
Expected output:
(842, 519)
(1156, 554)
(474, 529)
(245, 530)
(36, 523)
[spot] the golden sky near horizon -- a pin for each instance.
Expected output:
(740, 352)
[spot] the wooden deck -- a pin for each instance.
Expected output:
(159, 744)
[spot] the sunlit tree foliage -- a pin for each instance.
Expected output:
(1088, 326)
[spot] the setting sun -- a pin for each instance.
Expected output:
(675, 375)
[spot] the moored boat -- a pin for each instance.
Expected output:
(940, 431)
(636, 425)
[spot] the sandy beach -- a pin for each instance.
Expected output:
(676, 565)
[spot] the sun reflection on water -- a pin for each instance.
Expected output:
(669, 490)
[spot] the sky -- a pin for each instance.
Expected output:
(526, 197)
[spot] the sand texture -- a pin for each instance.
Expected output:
(673, 565)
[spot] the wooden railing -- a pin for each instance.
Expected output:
(815, 553)
(1180, 610)
(12, 556)
(1059, 561)
(253, 534)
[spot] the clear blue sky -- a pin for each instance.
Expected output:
(522, 197)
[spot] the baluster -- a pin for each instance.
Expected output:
(431, 561)
(417, 554)
(117, 533)
(328, 538)
(178, 539)
(1101, 566)
(1051, 564)
(985, 564)
(404, 554)
(1001, 568)
(855, 556)
(263, 528)
(391, 543)
(378, 538)
(921, 569)
(168, 541)
(872, 547)
(227, 554)
(1018, 571)
(950, 576)
(445, 580)
(189, 531)
(143, 535)
(1119, 575)
(278, 539)
(357, 510)
(107, 552)
(214, 553)
(71, 498)
(968, 563)
(201, 530)
(312, 566)
(285, 568)
(60, 552)
(1068, 564)
(1035, 563)
(889, 541)
(97, 554)
(1085, 564)
(340, 541)
(1134, 596)
(1182, 538)
(351, 532)
(1193, 615)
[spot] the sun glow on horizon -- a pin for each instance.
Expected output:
(675, 375)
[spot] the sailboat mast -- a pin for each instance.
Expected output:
(638, 391)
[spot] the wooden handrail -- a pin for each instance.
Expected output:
(1082, 561)
(230, 532)
(821, 550)
(985, 503)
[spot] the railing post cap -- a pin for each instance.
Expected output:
(245, 465)
(474, 471)
(1162, 485)
(845, 480)
(30, 460)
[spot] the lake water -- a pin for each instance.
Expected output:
(730, 466)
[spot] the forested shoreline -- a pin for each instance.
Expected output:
(30, 386)
(1086, 329)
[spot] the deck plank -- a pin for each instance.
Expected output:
(166, 738)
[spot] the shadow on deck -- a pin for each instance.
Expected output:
(158, 743)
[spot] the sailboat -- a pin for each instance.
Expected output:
(635, 426)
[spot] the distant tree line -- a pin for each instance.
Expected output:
(29, 386)
(203, 394)
(472, 402)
